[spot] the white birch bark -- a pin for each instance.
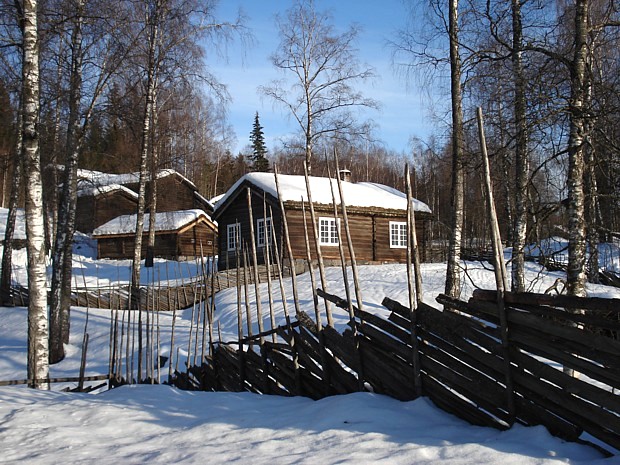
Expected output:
(38, 365)
(453, 276)
(521, 157)
(146, 131)
(576, 273)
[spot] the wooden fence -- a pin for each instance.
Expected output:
(458, 355)
(157, 297)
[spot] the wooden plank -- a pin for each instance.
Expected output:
(396, 307)
(452, 403)
(484, 310)
(569, 384)
(342, 346)
(597, 304)
(465, 351)
(455, 328)
(593, 321)
(602, 349)
(341, 380)
(384, 325)
(594, 420)
(386, 342)
(308, 358)
(475, 386)
(283, 370)
(553, 351)
(385, 373)
(532, 414)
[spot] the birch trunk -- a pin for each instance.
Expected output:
(453, 277)
(38, 365)
(146, 131)
(7, 253)
(521, 157)
(153, 191)
(62, 255)
(576, 273)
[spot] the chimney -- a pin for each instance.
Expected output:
(345, 175)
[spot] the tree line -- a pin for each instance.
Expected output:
(545, 74)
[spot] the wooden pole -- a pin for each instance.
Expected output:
(317, 311)
(287, 241)
(317, 246)
(501, 278)
(259, 308)
(412, 237)
(240, 319)
(414, 291)
(248, 310)
(267, 259)
(343, 262)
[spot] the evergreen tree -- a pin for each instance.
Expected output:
(259, 151)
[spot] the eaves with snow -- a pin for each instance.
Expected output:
(125, 225)
(293, 190)
(85, 191)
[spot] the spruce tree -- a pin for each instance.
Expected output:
(259, 151)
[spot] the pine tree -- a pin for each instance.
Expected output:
(259, 151)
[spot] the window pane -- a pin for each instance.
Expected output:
(328, 231)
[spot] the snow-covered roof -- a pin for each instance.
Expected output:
(164, 221)
(84, 191)
(203, 199)
(360, 194)
(98, 178)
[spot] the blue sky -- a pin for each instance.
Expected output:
(402, 112)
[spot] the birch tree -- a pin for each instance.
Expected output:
(579, 83)
(38, 365)
(89, 43)
(453, 276)
(11, 36)
(521, 152)
(324, 70)
(62, 256)
(173, 31)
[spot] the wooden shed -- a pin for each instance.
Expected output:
(98, 205)
(178, 235)
(377, 217)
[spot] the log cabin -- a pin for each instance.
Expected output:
(178, 235)
(377, 217)
(98, 205)
(174, 191)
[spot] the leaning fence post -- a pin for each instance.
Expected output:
(414, 291)
(501, 279)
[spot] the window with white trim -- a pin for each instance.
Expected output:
(233, 237)
(261, 230)
(328, 231)
(398, 235)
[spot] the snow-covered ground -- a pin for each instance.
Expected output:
(159, 424)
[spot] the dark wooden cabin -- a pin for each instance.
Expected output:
(174, 192)
(98, 205)
(178, 235)
(377, 219)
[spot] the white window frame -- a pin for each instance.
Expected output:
(398, 234)
(333, 231)
(261, 231)
(233, 236)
